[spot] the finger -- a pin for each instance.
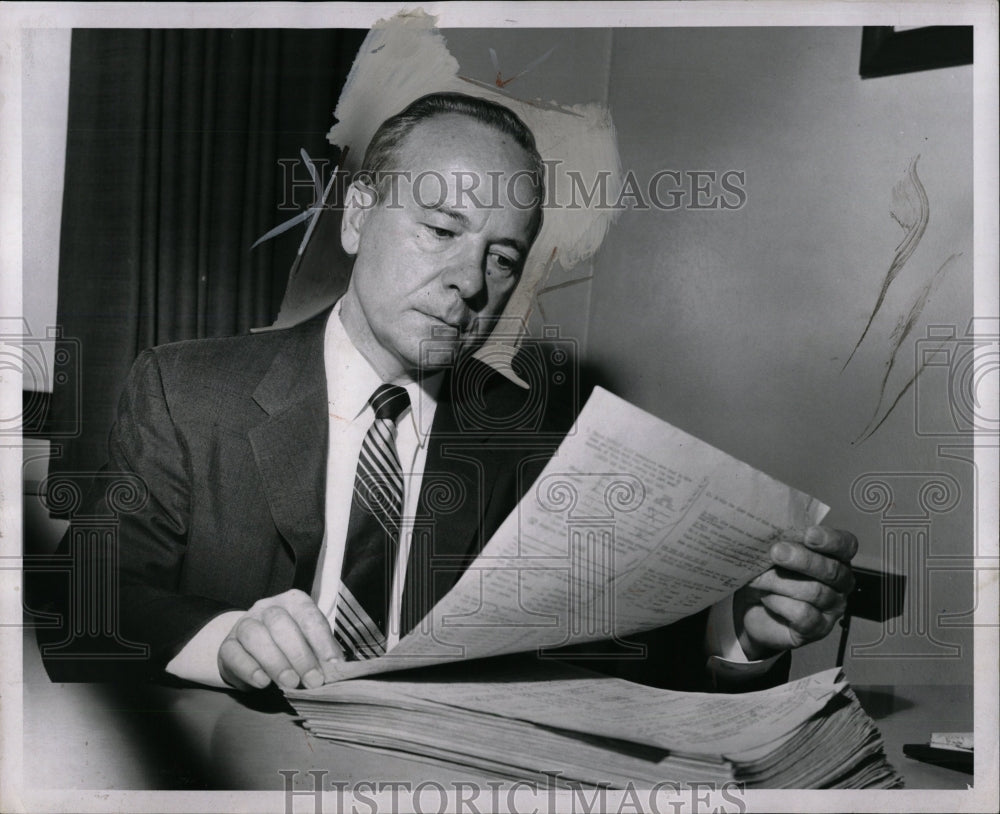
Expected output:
(238, 668)
(828, 570)
(329, 664)
(797, 586)
(316, 629)
(841, 545)
(285, 631)
(801, 617)
(258, 641)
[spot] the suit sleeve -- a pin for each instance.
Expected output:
(671, 657)
(135, 575)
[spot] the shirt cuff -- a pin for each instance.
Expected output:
(725, 655)
(198, 660)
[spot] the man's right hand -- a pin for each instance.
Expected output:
(285, 639)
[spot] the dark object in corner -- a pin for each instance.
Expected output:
(877, 596)
(949, 758)
(885, 51)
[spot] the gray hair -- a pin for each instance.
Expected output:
(381, 157)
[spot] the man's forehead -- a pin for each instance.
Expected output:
(448, 139)
(453, 164)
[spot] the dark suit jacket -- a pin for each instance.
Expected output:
(229, 437)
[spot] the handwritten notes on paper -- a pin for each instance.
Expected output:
(632, 525)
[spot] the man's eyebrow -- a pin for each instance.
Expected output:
(520, 247)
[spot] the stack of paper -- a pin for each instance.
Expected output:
(582, 728)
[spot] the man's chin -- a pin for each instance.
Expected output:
(441, 353)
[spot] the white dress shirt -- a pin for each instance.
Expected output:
(351, 380)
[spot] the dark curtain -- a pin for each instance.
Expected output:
(173, 169)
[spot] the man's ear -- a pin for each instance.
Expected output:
(360, 200)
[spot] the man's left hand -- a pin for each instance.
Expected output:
(801, 597)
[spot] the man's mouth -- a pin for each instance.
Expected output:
(446, 328)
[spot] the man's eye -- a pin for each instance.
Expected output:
(503, 265)
(439, 231)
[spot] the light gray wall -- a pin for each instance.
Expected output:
(44, 109)
(45, 96)
(734, 325)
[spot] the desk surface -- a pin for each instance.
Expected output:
(91, 736)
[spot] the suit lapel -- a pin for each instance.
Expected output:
(449, 527)
(472, 480)
(290, 446)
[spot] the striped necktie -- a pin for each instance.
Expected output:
(360, 624)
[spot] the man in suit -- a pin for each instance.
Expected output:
(267, 457)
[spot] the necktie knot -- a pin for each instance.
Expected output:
(389, 401)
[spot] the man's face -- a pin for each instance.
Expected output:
(439, 256)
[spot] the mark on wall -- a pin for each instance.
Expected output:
(902, 330)
(557, 287)
(911, 210)
(501, 82)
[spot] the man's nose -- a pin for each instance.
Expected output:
(467, 275)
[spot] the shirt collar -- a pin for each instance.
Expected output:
(351, 380)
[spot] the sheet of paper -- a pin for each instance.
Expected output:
(699, 723)
(632, 525)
